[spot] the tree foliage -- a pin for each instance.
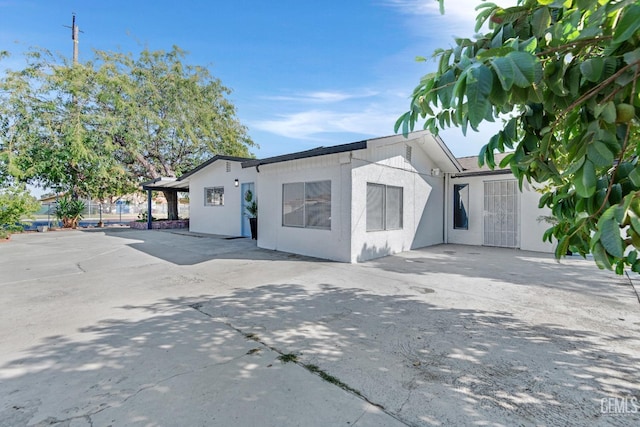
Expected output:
(102, 127)
(50, 129)
(16, 204)
(563, 77)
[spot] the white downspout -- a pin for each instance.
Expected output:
(445, 222)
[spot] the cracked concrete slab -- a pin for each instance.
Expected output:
(156, 328)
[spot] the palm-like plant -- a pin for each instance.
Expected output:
(69, 211)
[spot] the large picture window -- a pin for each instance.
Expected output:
(460, 206)
(307, 204)
(384, 207)
(214, 196)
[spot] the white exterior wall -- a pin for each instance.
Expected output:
(423, 198)
(224, 220)
(531, 230)
(331, 244)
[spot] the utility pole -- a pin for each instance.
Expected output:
(74, 36)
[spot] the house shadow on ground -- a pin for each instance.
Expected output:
(181, 247)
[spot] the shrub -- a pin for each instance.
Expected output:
(69, 211)
(15, 204)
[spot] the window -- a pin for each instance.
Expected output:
(214, 196)
(384, 207)
(307, 205)
(460, 206)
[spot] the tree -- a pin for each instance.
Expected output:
(102, 127)
(165, 117)
(49, 132)
(563, 78)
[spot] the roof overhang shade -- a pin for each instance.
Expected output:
(166, 184)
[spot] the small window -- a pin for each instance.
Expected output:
(408, 154)
(228, 166)
(461, 206)
(307, 205)
(384, 207)
(214, 196)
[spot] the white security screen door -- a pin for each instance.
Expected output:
(502, 214)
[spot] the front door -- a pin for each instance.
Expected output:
(246, 228)
(502, 213)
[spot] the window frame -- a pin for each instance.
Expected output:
(216, 191)
(385, 207)
(305, 203)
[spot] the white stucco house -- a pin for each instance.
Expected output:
(364, 200)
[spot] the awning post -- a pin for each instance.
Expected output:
(149, 217)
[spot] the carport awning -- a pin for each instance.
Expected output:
(163, 183)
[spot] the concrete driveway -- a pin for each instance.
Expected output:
(154, 328)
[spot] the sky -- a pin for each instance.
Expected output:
(303, 73)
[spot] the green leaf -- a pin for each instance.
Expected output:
(600, 256)
(506, 160)
(516, 68)
(541, 21)
(592, 68)
(609, 112)
(494, 52)
(585, 180)
(575, 165)
(599, 154)
(610, 236)
(479, 83)
(635, 223)
(632, 257)
(401, 120)
(628, 25)
(445, 87)
(632, 56)
(634, 176)
(563, 246)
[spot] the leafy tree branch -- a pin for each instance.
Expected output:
(562, 77)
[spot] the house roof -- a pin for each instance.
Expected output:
(182, 183)
(163, 183)
(319, 151)
(470, 166)
(211, 160)
(433, 145)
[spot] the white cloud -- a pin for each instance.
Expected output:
(321, 97)
(373, 121)
(458, 20)
(459, 10)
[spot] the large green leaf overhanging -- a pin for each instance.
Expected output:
(564, 77)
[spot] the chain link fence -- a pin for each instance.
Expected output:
(119, 213)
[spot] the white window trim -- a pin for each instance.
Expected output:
(304, 206)
(212, 203)
(384, 209)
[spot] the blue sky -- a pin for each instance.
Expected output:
(303, 73)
